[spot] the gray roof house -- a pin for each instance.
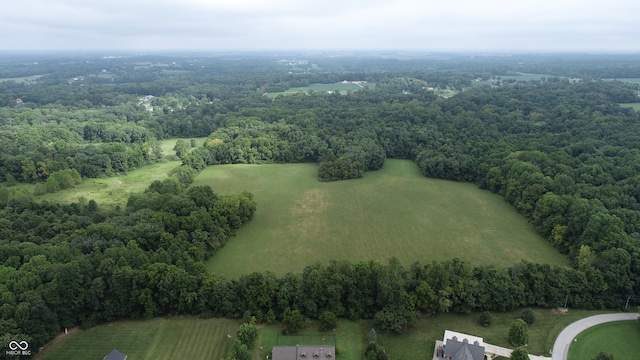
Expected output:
(115, 355)
(301, 352)
(463, 350)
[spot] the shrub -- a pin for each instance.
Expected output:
(328, 321)
(485, 318)
(519, 353)
(519, 333)
(528, 316)
(247, 334)
(293, 320)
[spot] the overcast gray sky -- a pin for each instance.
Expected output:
(442, 25)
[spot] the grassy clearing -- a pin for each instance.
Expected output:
(445, 93)
(24, 79)
(527, 77)
(342, 87)
(616, 338)
(627, 80)
(634, 106)
(113, 191)
(168, 144)
(392, 212)
(157, 339)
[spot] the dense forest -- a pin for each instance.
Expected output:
(560, 149)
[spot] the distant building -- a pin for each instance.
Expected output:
(299, 352)
(115, 355)
(18, 101)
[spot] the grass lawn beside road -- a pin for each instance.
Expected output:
(618, 338)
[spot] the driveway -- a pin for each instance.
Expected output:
(561, 346)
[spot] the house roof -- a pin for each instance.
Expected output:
(463, 350)
(115, 355)
(302, 352)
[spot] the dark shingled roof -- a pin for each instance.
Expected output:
(304, 352)
(463, 350)
(115, 355)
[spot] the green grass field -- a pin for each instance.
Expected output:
(525, 76)
(634, 106)
(392, 212)
(23, 79)
(616, 338)
(157, 339)
(418, 341)
(627, 80)
(112, 191)
(349, 339)
(192, 338)
(342, 87)
(445, 93)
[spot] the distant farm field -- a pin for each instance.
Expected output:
(340, 86)
(392, 212)
(157, 339)
(23, 79)
(634, 106)
(627, 80)
(526, 77)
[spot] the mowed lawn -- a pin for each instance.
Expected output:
(392, 212)
(349, 338)
(192, 338)
(156, 339)
(617, 338)
(418, 341)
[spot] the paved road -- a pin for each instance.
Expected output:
(561, 346)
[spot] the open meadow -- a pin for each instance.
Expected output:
(114, 191)
(23, 79)
(391, 212)
(627, 80)
(340, 86)
(634, 106)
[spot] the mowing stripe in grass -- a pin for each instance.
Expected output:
(157, 339)
(618, 338)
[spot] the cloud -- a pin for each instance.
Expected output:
(338, 24)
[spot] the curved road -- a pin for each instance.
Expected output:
(561, 346)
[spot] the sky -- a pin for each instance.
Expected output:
(249, 25)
